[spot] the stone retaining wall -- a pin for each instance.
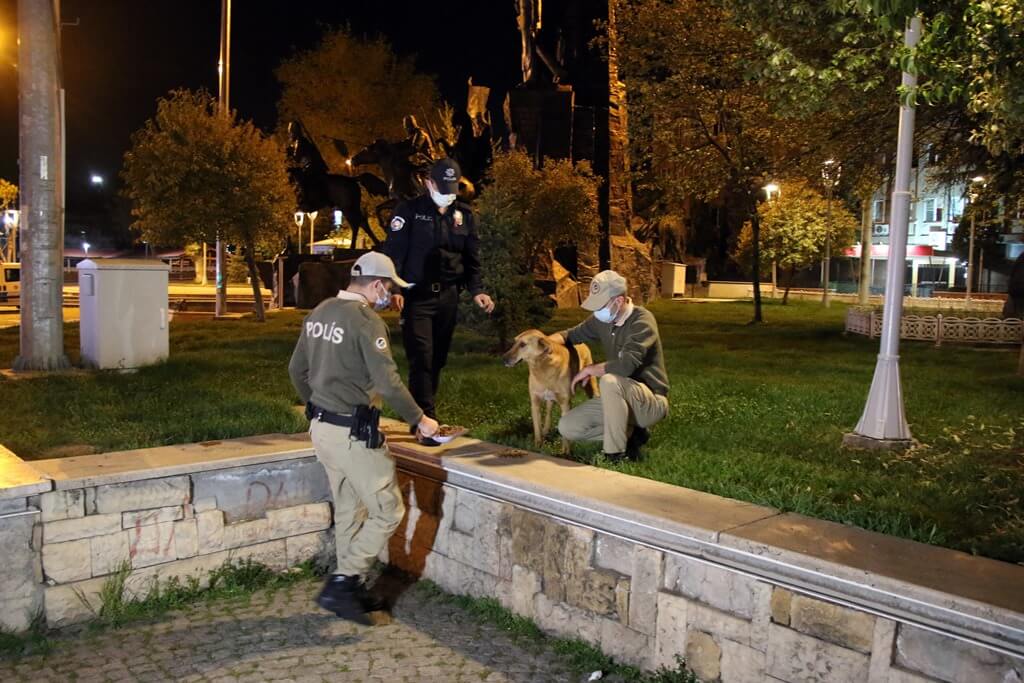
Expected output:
(70, 539)
(645, 606)
(644, 570)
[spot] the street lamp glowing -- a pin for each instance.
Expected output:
(85, 246)
(96, 179)
(348, 162)
(771, 189)
(299, 218)
(978, 179)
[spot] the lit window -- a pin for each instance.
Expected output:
(932, 213)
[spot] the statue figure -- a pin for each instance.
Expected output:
(419, 140)
(316, 188)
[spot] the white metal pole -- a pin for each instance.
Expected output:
(826, 266)
(970, 256)
(224, 80)
(883, 423)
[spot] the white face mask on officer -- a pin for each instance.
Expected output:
(383, 300)
(441, 200)
(605, 314)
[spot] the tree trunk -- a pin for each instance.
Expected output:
(1020, 365)
(254, 277)
(42, 189)
(864, 290)
(755, 224)
(789, 283)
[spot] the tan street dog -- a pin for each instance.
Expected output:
(552, 367)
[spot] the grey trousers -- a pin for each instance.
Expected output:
(360, 478)
(623, 402)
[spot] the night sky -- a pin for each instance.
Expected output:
(123, 54)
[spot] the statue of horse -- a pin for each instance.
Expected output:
(317, 189)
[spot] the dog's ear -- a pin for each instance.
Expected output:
(545, 346)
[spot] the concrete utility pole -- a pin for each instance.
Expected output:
(41, 175)
(224, 83)
(883, 424)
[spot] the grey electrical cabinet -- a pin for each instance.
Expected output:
(123, 306)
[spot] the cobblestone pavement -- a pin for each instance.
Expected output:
(283, 636)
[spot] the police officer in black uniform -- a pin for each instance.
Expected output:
(434, 243)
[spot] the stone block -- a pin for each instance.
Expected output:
(186, 538)
(459, 578)
(781, 600)
(242, 534)
(67, 562)
(525, 585)
(55, 505)
(90, 500)
(81, 527)
(10, 505)
(900, 676)
(72, 603)
(528, 531)
(153, 544)
(947, 659)
(21, 587)
(299, 519)
(273, 554)
(613, 553)
(721, 624)
(210, 531)
(643, 589)
(140, 518)
(622, 600)
(722, 589)
(793, 656)
(142, 581)
(741, 664)
(625, 644)
(465, 517)
(245, 493)
(142, 495)
(594, 590)
(670, 631)
(562, 620)
(314, 546)
(836, 624)
(703, 655)
(204, 505)
(108, 552)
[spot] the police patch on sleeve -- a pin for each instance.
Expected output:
(397, 223)
(382, 343)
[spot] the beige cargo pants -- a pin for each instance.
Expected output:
(623, 402)
(360, 478)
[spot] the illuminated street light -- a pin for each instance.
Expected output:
(85, 246)
(772, 190)
(96, 179)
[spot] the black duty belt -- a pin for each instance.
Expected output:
(314, 412)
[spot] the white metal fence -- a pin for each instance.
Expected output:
(940, 328)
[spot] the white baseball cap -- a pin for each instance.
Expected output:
(376, 264)
(605, 286)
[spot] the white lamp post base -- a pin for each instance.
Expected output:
(883, 424)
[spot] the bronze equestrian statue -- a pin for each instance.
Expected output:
(316, 188)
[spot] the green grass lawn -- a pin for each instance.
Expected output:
(758, 414)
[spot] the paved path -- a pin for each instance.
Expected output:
(282, 636)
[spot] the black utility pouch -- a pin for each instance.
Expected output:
(366, 426)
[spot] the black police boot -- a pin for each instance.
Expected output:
(637, 439)
(343, 595)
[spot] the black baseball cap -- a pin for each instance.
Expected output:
(445, 174)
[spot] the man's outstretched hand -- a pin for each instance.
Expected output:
(398, 302)
(485, 302)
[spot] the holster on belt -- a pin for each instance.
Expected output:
(366, 426)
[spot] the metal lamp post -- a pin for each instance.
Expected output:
(771, 190)
(299, 218)
(883, 424)
(830, 173)
(224, 88)
(312, 223)
(973, 194)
